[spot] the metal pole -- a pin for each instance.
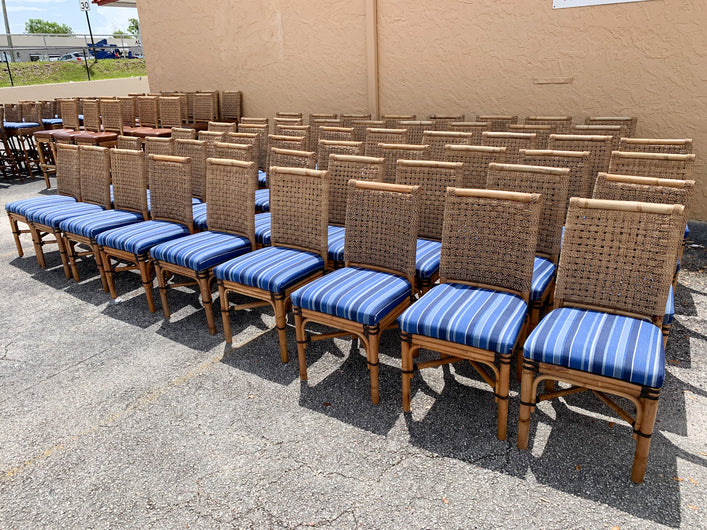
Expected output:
(7, 63)
(7, 31)
(85, 61)
(93, 44)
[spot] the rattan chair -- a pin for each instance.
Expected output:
(498, 123)
(8, 160)
(560, 124)
(197, 152)
(542, 133)
(394, 152)
(93, 133)
(677, 146)
(329, 147)
(615, 131)
(128, 110)
(288, 158)
(476, 160)
(91, 165)
(321, 116)
(343, 168)
(316, 124)
(479, 310)
(229, 151)
(603, 334)
(172, 218)
(599, 148)
(69, 108)
(250, 139)
(416, 129)
(658, 165)
(24, 133)
(374, 137)
(148, 118)
(476, 128)
(361, 126)
(276, 141)
(337, 134)
(377, 284)
(231, 104)
(443, 122)
(171, 112)
(628, 122)
(262, 131)
(158, 146)
(297, 130)
(290, 115)
(513, 142)
(183, 133)
(392, 121)
(129, 178)
(552, 185)
(437, 140)
(296, 257)
(581, 181)
(205, 109)
(253, 120)
(348, 119)
(433, 178)
(210, 138)
(280, 121)
(230, 195)
(222, 126)
(132, 143)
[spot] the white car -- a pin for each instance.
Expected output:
(74, 57)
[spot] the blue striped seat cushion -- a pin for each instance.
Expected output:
(138, 238)
(93, 224)
(14, 125)
(262, 200)
(52, 121)
(201, 251)
(199, 213)
(336, 237)
(54, 215)
(21, 206)
(262, 228)
(262, 178)
(687, 232)
(273, 269)
(600, 343)
(543, 273)
(485, 319)
(669, 308)
(427, 258)
(361, 295)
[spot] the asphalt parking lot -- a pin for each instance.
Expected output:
(111, 416)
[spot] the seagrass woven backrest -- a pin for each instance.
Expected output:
(242, 152)
(111, 116)
(262, 131)
(276, 141)
(92, 115)
(13, 112)
(171, 114)
(619, 256)
(645, 189)
(628, 122)
(560, 124)
(289, 115)
(394, 152)
(513, 142)
(68, 179)
(231, 105)
(205, 107)
(210, 138)
(129, 177)
(316, 124)
(581, 181)
(32, 112)
(348, 119)
(678, 146)
(196, 150)
(127, 109)
(416, 129)
(69, 114)
(552, 184)
(475, 128)
(230, 197)
(381, 227)
(304, 131)
(133, 143)
(183, 133)
(158, 146)
(438, 139)
(443, 122)
(376, 136)
(284, 122)
(498, 123)
(392, 121)
(659, 165)
(321, 116)
(489, 239)
(343, 168)
(341, 134)
(170, 188)
(222, 126)
(599, 148)
(615, 131)
(253, 120)
(433, 178)
(286, 158)
(148, 111)
(299, 207)
(245, 138)
(542, 133)
(95, 175)
(183, 104)
(329, 147)
(48, 110)
(360, 127)
(476, 160)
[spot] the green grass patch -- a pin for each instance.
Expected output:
(44, 72)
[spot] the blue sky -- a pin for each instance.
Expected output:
(104, 20)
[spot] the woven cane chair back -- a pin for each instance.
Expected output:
(476, 160)
(628, 122)
(183, 133)
(132, 143)
(498, 123)
(438, 139)
(197, 151)
(581, 181)
(222, 126)
(658, 165)
(513, 142)
(677, 146)
(374, 137)
(242, 152)
(392, 121)
(170, 188)
(94, 171)
(171, 114)
(343, 168)
(329, 147)
(129, 177)
(615, 131)
(443, 122)
(361, 126)
(475, 128)
(559, 124)
(348, 119)
(598, 146)
(394, 152)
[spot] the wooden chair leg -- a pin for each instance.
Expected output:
(204, 280)
(526, 402)
(146, 277)
(63, 253)
(99, 265)
(38, 243)
(108, 268)
(281, 324)
(301, 335)
(225, 314)
(162, 287)
(649, 405)
(71, 252)
(16, 234)
(373, 335)
(407, 366)
(502, 395)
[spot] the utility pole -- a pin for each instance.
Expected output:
(7, 32)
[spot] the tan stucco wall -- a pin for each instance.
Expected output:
(103, 87)
(647, 59)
